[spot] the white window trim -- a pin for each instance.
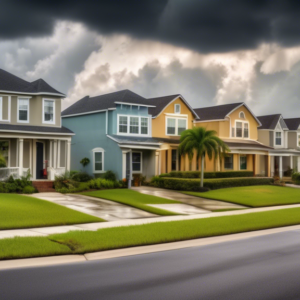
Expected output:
(241, 112)
(28, 115)
(275, 145)
(243, 126)
(43, 117)
(1, 109)
(9, 151)
(177, 105)
(128, 125)
(98, 150)
(176, 125)
(141, 169)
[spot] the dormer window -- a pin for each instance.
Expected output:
(177, 108)
(133, 125)
(241, 130)
(242, 115)
(48, 111)
(23, 110)
(278, 138)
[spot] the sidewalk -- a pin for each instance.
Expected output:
(44, 231)
(68, 259)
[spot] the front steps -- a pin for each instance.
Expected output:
(44, 186)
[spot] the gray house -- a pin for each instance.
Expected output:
(31, 135)
(283, 136)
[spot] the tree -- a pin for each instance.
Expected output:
(202, 142)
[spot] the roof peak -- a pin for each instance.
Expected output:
(234, 103)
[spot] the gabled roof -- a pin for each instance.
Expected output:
(292, 124)
(270, 121)
(109, 101)
(14, 84)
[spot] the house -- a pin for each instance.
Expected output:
(238, 127)
(282, 135)
(127, 133)
(32, 137)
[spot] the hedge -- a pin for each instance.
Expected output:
(208, 175)
(213, 184)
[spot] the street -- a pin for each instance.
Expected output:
(265, 267)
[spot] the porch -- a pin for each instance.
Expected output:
(284, 163)
(41, 157)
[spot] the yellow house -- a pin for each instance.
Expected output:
(238, 127)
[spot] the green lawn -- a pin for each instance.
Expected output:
(254, 196)
(135, 199)
(18, 211)
(78, 242)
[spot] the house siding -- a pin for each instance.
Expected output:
(292, 140)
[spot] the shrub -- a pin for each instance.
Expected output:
(194, 185)
(109, 175)
(64, 181)
(85, 161)
(15, 185)
(296, 178)
(29, 189)
(208, 175)
(81, 177)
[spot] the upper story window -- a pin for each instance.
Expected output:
(278, 138)
(241, 129)
(177, 108)
(23, 110)
(48, 111)
(242, 115)
(176, 126)
(133, 125)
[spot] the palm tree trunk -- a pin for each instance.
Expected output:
(202, 170)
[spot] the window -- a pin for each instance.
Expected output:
(23, 110)
(239, 129)
(4, 150)
(136, 162)
(243, 162)
(98, 156)
(177, 109)
(246, 131)
(242, 115)
(134, 125)
(228, 162)
(48, 111)
(174, 159)
(137, 125)
(278, 138)
(176, 126)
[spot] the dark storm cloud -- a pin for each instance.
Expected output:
(203, 25)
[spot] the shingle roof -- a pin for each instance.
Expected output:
(148, 140)
(12, 83)
(218, 112)
(160, 103)
(38, 129)
(292, 124)
(269, 122)
(247, 144)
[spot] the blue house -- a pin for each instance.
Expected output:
(127, 133)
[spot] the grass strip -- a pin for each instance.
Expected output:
(134, 199)
(254, 196)
(78, 242)
(18, 211)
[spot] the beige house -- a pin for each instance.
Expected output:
(32, 138)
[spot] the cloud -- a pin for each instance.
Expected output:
(204, 26)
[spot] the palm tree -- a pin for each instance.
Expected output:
(202, 142)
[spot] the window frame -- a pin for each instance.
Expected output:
(177, 105)
(98, 150)
(244, 116)
(128, 125)
(28, 110)
(43, 118)
(275, 138)
(227, 155)
(176, 125)
(141, 163)
(243, 129)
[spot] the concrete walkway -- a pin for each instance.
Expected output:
(206, 204)
(44, 231)
(293, 186)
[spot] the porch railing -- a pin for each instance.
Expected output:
(5, 173)
(55, 172)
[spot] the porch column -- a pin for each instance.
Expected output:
(21, 153)
(68, 165)
(291, 162)
(124, 164)
(269, 171)
(50, 153)
(169, 160)
(272, 165)
(55, 154)
(157, 163)
(280, 167)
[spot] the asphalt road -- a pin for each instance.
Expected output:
(266, 267)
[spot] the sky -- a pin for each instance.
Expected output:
(212, 52)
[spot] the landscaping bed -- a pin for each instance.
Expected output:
(80, 242)
(185, 184)
(18, 211)
(254, 196)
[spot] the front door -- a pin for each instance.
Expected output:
(39, 160)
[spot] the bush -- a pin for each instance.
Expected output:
(100, 183)
(194, 185)
(64, 181)
(208, 175)
(81, 177)
(15, 185)
(109, 175)
(29, 189)
(296, 178)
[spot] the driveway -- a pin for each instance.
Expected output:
(206, 204)
(104, 209)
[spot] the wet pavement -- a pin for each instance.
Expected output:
(205, 204)
(104, 209)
